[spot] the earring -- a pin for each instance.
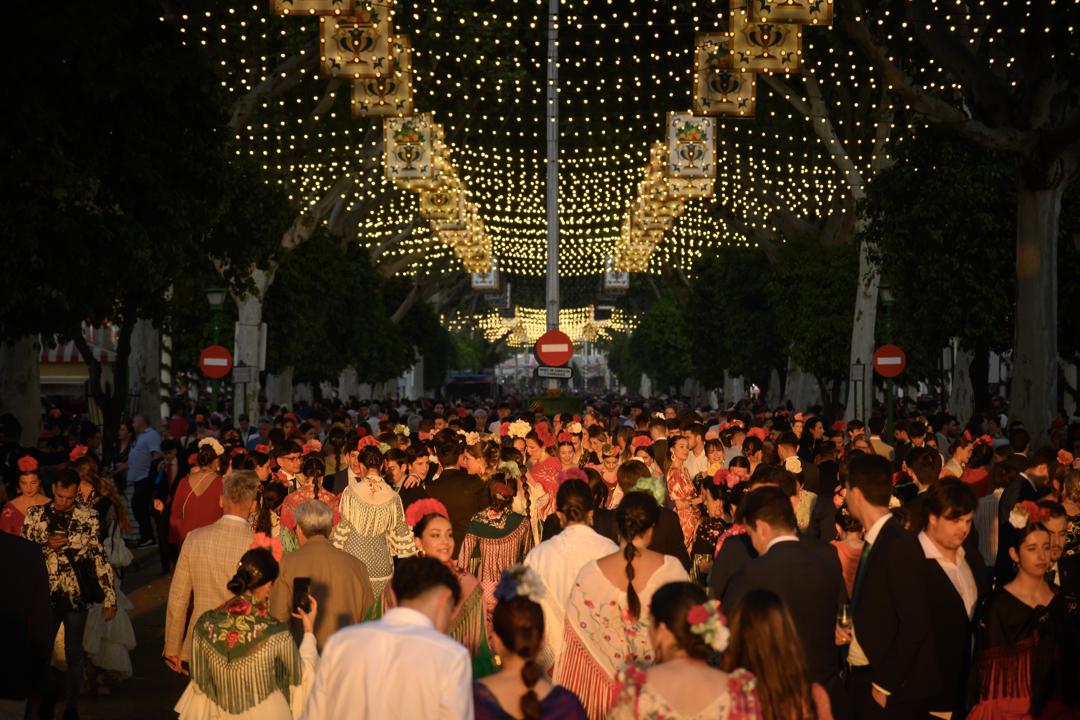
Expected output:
(497, 660)
(421, 553)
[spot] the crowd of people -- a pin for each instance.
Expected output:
(640, 560)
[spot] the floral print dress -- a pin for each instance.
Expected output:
(681, 489)
(640, 701)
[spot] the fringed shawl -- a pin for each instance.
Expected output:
(298, 497)
(1022, 651)
(374, 509)
(502, 539)
(240, 655)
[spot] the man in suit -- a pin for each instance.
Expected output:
(787, 446)
(882, 448)
(207, 562)
(892, 670)
(811, 587)
(1020, 442)
(350, 474)
(1028, 485)
(953, 584)
(165, 472)
(339, 581)
(658, 433)
(26, 622)
(1064, 570)
(463, 494)
(738, 550)
(667, 537)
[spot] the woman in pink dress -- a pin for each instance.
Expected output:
(545, 467)
(849, 543)
(680, 489)
(28, 489)
(196, 502)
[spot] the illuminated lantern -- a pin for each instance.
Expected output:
(764, 46)
(615, 281)
(389, 95)
(356, 46)
(691, 145)
(409, 147)
(720, 89)
(807, 12)
(440, 203)
(488, 281)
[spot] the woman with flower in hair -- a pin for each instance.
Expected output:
(681, 488)
(643, 450)
(310, 479)
(197, 500)
(765, 647)
(544, 467)
(25, 494)
(686, 631)
(520, 689)
(496, 538)
(244, 663)
(567, 451)
(1027, 647)
(371, 522)
(607, 612)
(430, 523)
(977, 474)
(712, 525)
(609, 471)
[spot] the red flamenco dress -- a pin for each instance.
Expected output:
(1026, 661)
(196, 504)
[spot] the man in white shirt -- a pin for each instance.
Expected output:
(402, 666)
(953, 587)
(698, 460)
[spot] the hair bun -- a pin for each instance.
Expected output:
(239, 582)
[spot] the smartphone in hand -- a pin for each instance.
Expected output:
(300, 593)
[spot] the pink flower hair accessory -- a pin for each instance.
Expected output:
(422, 508)
(712, 435)
(27, 464)
(273, 544)
(77, 452)
(1065, 457)
(641, 441)
(572, 474)
(193, 459)
(504, 429)
(262, 449)
(759, 432)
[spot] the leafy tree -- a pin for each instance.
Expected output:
(957, 237)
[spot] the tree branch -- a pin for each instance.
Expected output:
(394, 239)
(285, 77)
(304, 225)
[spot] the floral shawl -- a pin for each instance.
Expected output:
(240, 655)
(638, 699)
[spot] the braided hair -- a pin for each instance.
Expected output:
(273, 494)
(519, 624)
(636, 515)
(512, 454)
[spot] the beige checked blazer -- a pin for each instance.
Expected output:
(207, 562)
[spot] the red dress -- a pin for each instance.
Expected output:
(11, 520)
(681, 488)
(191, 511)
(978, 479)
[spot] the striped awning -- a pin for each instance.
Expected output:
(70, 354)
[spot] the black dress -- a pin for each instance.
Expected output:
(708, 532)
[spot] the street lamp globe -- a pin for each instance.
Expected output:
(216, 297)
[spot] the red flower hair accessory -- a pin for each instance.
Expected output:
(565, 437)
(27, 464)
(1065, 457)
(641, 441)
(292, 417)
(839, 426)
(504, 489)
(577, 418)
(237, 451)
(262, 449)
(424, 436)
(967, 435)
(193, 459)
(77, 452)
(199, 418)
(504, 429)
(759, 432)
(461, 412)
(366, 441)
(1026, 513)
(738, 423)
(572, 474)
(544, 433)
(272, 544)
(383, 418)
(798, 417)
(422, 508)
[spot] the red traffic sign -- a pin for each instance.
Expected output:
(889, 361)
(554, 348)
(215, 361)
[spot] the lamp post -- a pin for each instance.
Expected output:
(216, 298)
(887, 300)
(858, 385)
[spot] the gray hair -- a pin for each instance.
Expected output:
(241, 487)
(315, 518)
(145, 419)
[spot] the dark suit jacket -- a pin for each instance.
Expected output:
(1016, 492)
(891, 616)
(463, 495)
(952, 632)
(823, 518)
(1069, 575)
(660, 449)
(337, 482)
(667, 535)
(830, 477)
(811, 477)
(811, 587)
(737, 550)
(26, 618)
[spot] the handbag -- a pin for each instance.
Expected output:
(86, 574)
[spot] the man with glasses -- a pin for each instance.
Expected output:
(289, 455)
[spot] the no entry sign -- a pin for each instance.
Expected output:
(889, 361)
(554, 348)
(215, 361)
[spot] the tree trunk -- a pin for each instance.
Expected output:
(279, 389)
(775, 392)
(801, 388)
(980, 381)
(111, 398)
(862, 331)
(144, 371)
(1034, 384)
(248, 344)
(20, 385)
(347, 387)
(962, 395)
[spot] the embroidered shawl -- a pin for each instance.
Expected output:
(240, 655)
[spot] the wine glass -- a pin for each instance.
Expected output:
(843, 618)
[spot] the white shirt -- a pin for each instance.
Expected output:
(696, 464)
(782, 538)
(856, 656)
(558, 561)
(958, 572)
(353, 477)
(396, 668)
(986, 521)
(234, 517)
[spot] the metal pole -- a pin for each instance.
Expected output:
(553, 173)
(889, 381)
(215, 381)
